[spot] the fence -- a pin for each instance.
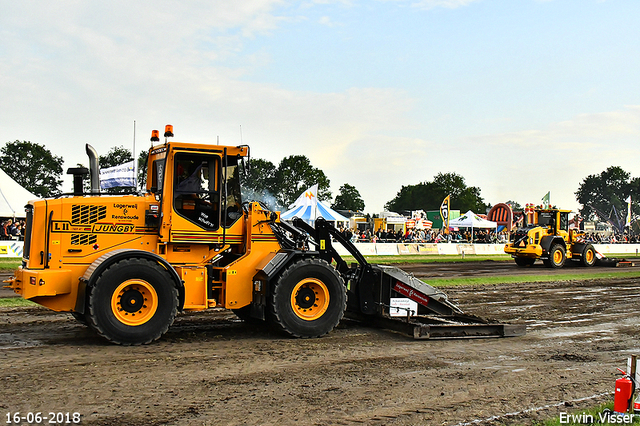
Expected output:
(14, 248)
(388, 249)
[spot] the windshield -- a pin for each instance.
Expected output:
(546, 218)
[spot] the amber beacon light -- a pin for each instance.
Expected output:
(168, 131)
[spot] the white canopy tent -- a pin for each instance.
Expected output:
(13, 197)
(471, 220)
(308, 208)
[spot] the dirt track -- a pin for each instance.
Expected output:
(213, 369)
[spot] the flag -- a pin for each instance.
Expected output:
(628, 200)
(444, 213)
(546, 200)
(122, 175)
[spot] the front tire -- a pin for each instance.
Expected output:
(133, 302)
(308, 300)
(588, 256)
(557, 256)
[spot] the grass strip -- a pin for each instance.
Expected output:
(590, 416)
(432, 258)
(9, 263)
(438, 258)
(453, 258)
(515, 279)
(15, 302)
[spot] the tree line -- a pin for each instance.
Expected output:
(603, 195)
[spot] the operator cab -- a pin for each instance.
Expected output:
(197, 185)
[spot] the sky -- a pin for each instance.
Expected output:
(519, 97)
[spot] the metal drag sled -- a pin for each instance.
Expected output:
(370, 289)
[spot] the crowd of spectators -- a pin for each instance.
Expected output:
(421, 236)
(12, 229)
(463, 236)
(608, 238)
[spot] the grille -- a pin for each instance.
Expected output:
(86, 215)
(520, 237)
(83, 239)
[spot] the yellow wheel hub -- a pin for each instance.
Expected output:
(134, 302)
(557, 256)
(310, 299)
(589, 255)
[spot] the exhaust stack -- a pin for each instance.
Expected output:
(94, 170)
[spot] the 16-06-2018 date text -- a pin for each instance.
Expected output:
(43, 418)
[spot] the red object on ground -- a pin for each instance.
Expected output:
(622, 396)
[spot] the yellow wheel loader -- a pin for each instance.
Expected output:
(126, 264)
(549, 238)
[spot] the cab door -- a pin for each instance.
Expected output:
(191, 200)
(563, 225)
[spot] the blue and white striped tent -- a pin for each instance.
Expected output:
(308, 208)
(309, 213)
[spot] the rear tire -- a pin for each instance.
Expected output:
(588, 256)
(557, 256)
(133, 302)
(524, 261)
(308, 300)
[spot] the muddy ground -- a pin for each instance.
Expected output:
(211, 368)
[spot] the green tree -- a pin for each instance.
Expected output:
(599, 194)
(142, 169)
(348, 199)
(295, 174)
(116, 156)
(280, 186)
(259, 176)
(32, 166)
(258, 183)
(429, 195)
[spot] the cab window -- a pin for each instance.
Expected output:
(156, 174)
(564, 221)
(196, 190)
(233, 200)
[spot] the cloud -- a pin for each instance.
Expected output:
(556, 158)
(155, 29)
(327, 21)
(120, 54)
(86, 75)
(75, 72)
(606, 130)
(448, 4)
(432, 4)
